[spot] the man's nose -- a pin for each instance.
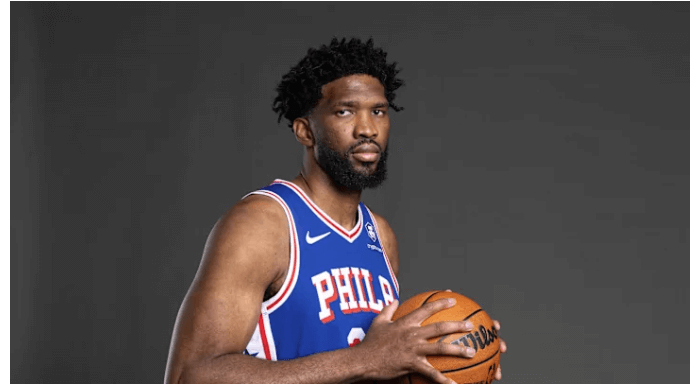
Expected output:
(365, 127)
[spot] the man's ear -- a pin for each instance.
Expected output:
(301, 127)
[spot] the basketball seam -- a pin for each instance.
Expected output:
(430, 295)
(471, 366)
(434, 293)
(466, 318)
(475, 312)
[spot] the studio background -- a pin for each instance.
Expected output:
(540, 167)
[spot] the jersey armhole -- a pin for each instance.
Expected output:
(273, 303)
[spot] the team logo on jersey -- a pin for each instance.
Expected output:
(370, 231)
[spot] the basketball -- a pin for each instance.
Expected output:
(483, 339)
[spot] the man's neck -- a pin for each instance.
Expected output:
(338, 203)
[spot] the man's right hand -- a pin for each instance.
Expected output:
(395, 348)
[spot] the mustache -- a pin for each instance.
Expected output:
(361, 142)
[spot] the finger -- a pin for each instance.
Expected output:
(444, 349)
(504, 347)
(442, 328)
(388, 311)
(432, 373)
(419, 315)
(498, 374)
(497, 325)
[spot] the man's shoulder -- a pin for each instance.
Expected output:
(381, 222)
(254, 215)
(257, 205)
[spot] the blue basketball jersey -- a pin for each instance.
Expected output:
(338, 280)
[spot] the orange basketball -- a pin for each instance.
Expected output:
(483, 338)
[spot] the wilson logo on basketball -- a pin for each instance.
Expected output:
(480, 339)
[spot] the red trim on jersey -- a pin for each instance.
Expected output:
(385, 256)
(264, 339)
(293, 251)
(348, 234)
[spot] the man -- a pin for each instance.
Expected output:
(297, 281)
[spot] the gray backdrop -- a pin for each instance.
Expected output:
(540, 167)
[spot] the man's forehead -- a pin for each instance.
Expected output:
(353, 88)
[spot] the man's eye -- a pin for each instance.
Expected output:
(379, 112)
(342, 112)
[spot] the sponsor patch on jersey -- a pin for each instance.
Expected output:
(374, 247)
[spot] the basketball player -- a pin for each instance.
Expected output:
(298, 280)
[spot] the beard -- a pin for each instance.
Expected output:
(339, 167)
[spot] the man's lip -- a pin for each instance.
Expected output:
(366, 156)
(367, 148)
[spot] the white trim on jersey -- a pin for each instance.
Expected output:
(262, 345)
(385, 256)
(348, 235)
(282, 295)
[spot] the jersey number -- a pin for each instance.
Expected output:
(356, 336)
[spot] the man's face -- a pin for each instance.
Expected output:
(350, 126)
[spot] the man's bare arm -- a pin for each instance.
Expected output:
(246, 253)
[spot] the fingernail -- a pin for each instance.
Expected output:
(448, 290)
(468, 324)
(470, 352)
(451, 302)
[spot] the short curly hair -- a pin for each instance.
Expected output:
(300, 89)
